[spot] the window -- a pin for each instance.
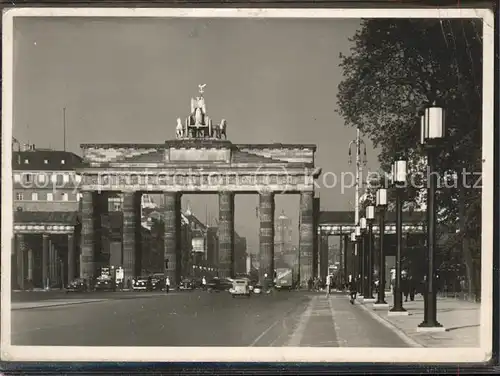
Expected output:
(34, 196)
(53, 178)
(65, 178)
(26, 161)
(50, 197)
(41, 178)
(64, 196)
(78, 196)
(27, 177)
(46, 161)
(63, 161)
(17, 178)
(78, 178)
(19, 196)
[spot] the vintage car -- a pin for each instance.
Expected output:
(104, 285)
(140, 283)
(219, 284)
(241, 287)
(158, 281)
(77, 285)
(187, 284)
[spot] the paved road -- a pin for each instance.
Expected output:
(204, 319)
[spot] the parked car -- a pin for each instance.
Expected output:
(104, 285)
(158, 281)
(240, 288)
(140, 283)
(77, 285)
(219, 284)
(187, 284)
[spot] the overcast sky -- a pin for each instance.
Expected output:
(128, 80)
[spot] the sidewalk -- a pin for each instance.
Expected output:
(460, 318)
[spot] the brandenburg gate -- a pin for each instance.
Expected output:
(199, 160)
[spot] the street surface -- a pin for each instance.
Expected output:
(200, 318)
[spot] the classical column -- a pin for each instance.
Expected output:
(266, 236)
(226, 234)
(306, 235)
(346, 262)
(30, 265)
(71, 258)
(45, 260)
(130, 223)
(323, 256)
(316, 256)
(87, 236)
(20, 251)
(172, 237)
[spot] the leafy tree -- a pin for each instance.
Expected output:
(395, 68)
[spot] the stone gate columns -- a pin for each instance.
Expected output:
(306, 231)
(226, 234)
(45, 260)
(130, 223)
(323, 256)
(71, 258)
(172, 237)
(20, 253)
(266, 236)
(87, 236)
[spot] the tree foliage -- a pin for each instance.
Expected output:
(395, 68)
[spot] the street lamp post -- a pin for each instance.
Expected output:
(364, 254)
(370, 216)
(432, 132)
(381, 204)
(357, 233)
(354, 269)
(399, 180)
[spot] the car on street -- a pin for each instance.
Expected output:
(241, 287)
(187, 284)
(77, 285)
(140, 283)
(257, 289)
(219, 284)
(104, 285)
(158, 281)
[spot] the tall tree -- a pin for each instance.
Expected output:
(395, 67)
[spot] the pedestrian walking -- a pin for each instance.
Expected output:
(353, 290)
(328, 285)
(204, 283)
(167, 285)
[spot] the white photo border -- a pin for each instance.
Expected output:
(483, 353)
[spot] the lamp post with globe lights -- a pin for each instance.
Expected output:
(399, 181)
(432, 133)
(370, 217)
(381, 202)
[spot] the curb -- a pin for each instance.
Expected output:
(58, 304)
(399, 332)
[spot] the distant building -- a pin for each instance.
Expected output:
(282, 235)
(46, 224)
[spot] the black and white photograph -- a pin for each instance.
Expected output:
(258, 185)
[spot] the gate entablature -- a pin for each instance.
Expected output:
(200, 159)
(342, 222)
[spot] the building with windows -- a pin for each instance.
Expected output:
(46, 223)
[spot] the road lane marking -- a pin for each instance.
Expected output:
(341, 342)
(298, 333)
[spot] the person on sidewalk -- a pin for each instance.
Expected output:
(167, 285)
(353, 290)
(328, 285)
(204, 283)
